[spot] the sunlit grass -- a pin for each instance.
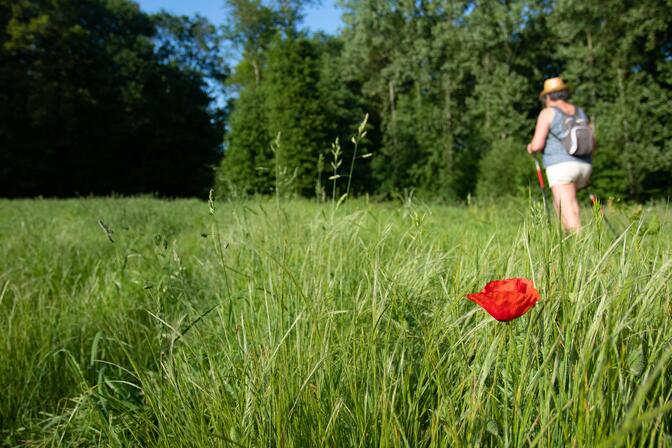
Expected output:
(301, 324)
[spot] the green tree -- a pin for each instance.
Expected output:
(192, 44)
(344, 109)
(618, 57)
(285, 87)
(89, 106)
(294, 109)
(398, 52)
(497, 109)
(247, 166)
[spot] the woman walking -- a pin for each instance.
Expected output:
(566, 172)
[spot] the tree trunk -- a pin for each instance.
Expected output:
(591, 64)
(633, 186)
(257, 74)
(448, 110)
(393, 111)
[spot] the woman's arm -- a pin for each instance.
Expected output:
(541, 131)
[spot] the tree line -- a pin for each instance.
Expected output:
(450, 89)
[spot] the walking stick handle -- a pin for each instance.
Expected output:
(540, 176)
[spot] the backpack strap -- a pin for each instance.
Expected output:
(559, 110)
(563, 115)
(580, 113)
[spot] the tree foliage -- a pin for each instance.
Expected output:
(98, 97)
(91, 103)
(291, 94)
(451, 88)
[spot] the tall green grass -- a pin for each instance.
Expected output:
(138, 322)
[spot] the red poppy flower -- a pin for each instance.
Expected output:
(507, 299)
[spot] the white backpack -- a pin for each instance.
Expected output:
(577, 135)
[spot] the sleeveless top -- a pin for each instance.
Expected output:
(554, 152)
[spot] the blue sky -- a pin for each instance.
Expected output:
(326, 17)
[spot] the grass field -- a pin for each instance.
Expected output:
(140, 322)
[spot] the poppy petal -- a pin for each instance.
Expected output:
(507, 299)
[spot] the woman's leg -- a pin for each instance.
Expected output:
(566, 205)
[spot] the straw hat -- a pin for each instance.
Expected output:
(553, 85)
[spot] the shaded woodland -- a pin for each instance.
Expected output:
(97, 97)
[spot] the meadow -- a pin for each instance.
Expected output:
(144, 322)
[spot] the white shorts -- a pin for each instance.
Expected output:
(569, 172)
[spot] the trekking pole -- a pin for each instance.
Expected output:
(540, 176)
(596, 204)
